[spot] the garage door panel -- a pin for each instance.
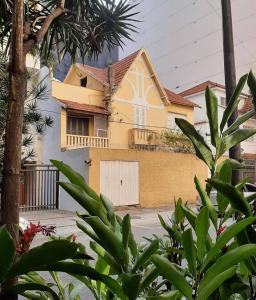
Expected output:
(119, 181)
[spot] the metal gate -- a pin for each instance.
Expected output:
(39, 187)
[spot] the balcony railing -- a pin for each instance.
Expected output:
(140, 138)
(80, 141)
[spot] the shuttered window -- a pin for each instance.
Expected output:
(78, 126)
(140, 116)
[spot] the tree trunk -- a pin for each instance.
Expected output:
(13, 139)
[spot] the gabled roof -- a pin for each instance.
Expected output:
(84, 107)
(201, 88)
(119, 69)
(177, 99)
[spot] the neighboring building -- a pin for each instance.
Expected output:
(197, 95)
(184, 39)
(108, 124)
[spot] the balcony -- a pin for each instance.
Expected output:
(80, 141)
(144, 139)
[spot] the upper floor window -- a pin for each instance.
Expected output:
(140, 116)
(83, 82)
(77, 126)
(171, 120)
(222, 101)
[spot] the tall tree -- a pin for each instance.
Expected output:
(51, 25)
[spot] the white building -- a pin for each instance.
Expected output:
(197, 95)
(184, 39)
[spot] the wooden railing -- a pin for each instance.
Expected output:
(143, 138)
(80, 141)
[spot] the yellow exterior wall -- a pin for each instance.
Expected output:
(163, 176)
(75, 75)
(77, 94)
(181, 109)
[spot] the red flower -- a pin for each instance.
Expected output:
(73, 238)
(27, 236)
(221, 229)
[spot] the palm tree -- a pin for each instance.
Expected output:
(62, 26)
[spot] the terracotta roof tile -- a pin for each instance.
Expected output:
(177, 99)
(247, 106)
(119, 69)
(84, 107)
(201, 87)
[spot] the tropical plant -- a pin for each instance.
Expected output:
(176, 141)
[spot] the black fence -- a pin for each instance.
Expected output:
(39, 188)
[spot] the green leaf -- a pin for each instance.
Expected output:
(170, 272)
(131, 285)
(189, 250)
(212, 113)
(78, 269)
(233, 102)
(8, 252)
(146, 254)
(227, 261)
(190, 215)
(107, 238)
(74, 178)
(20, 288)
(203, 151)
(225, 237)
(235, 198)
(47, 253)
(93, 207)
(252, 85)
(206, 201)
(239, 121)
(171, 295)
(234, 139)
(150, 275)
(215, 283)
(106, 256)
(202, 227)
(126, 230)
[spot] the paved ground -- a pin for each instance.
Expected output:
(144, 223)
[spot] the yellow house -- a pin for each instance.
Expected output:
(118, 113)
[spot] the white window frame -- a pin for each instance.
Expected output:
(171, 119)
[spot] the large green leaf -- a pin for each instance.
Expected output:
(189, 250)
(146, 255)
(78, 269)
(206, 201)
(234, 139)
(93, 207)
(107, 238)
(252, 85)
(20, 288)
(233, 102)
(150, 275)
(225, 237)
(226, 261)
(190, 215)
(7, 252)
(212, 113)
(74, 178)
(202, 227)
(215, 283)
(170, 272)
(131, 285)
(236, 199)
(47, 253)
(203, 151)
(126, 231)
(239, 121)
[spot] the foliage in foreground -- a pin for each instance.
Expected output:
(205, 255)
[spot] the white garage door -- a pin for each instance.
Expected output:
(119, 181)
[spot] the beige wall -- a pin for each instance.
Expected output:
(163, 176)
(184, 110)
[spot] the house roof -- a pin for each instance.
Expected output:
(177, 99)
(119, 69)
(201, 87)
(84, 107)
(247, 106)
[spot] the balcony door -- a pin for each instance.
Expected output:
(140, 116)
(119, 181)
(78, 125)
